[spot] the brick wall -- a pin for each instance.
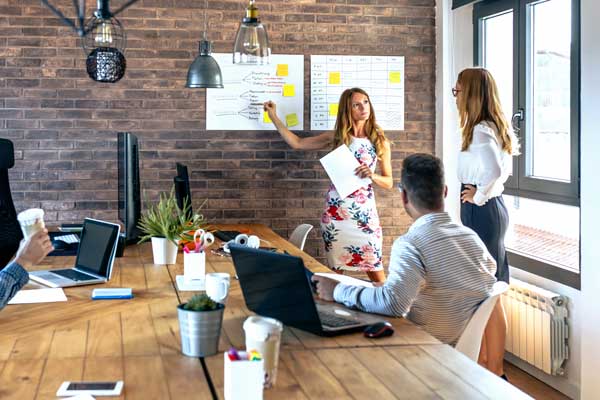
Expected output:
(63, 124)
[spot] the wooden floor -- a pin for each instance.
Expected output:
(530, 385)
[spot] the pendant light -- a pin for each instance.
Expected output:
(204, 72)
(251, 42)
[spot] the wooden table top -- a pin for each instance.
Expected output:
(137, 341)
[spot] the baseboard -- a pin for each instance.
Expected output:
(559, 383)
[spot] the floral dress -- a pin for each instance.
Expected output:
(350, 226)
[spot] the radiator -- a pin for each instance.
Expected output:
(538, 330)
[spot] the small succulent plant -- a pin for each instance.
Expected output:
(200, 302)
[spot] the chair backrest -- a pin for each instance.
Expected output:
(470, 341)
(299, 235)
(10, 231)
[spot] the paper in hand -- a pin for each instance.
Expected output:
(340, 165)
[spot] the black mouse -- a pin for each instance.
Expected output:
(379, 330)
(60, 245)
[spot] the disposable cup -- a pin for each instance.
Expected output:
(264, 335)
(31, 221)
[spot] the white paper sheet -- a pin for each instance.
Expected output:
(346, 280)
(340, 165)
(38, 296)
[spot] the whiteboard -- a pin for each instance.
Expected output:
(239, 105)
(380, 76)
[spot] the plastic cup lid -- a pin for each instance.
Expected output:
(31, 214)
(260, 328)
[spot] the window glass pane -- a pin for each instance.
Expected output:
(497, 49)
(553, 240)
(550, 85)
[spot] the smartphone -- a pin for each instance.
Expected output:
(92, 388)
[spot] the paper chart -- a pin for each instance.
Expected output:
(239, 105)
(380, 76)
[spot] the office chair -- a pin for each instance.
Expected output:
(299, 235)
(470, 341)
(10, 230)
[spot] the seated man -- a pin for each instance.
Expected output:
(14, 276)
(439, 272)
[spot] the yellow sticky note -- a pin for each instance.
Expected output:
(395, 77)
(334, 78)
(289, 90)
(291, 120)
(282, 70)
(266, 118)
(333, 109)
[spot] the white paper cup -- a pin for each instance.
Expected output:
(264, 335)
(31, 221)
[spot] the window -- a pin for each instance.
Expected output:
(531, 47)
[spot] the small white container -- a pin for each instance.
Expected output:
(194, 266)
(164, 251)
(243, 379)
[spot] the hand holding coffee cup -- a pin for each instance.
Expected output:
(31, 221)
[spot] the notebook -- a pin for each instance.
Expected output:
(95, 258)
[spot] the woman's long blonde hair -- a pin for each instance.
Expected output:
(479, 102)
(344, 128)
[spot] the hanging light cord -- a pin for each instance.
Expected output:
(205, 20)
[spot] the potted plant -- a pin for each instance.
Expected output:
(200, 322)
(164, 223)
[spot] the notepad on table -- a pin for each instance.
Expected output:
(50, 295)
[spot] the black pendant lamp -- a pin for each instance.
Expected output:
(204, 72)
(103, 39)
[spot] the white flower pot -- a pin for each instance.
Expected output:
(164, 251)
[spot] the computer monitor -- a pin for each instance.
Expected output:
(129, 184)
(182, 188)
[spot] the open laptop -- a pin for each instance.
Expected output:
(95, 258)
(278, 286)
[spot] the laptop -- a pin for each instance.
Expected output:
(95, 258)
(278, 286)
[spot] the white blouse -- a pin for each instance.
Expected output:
(484, 164)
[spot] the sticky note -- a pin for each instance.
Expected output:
(266, 118)
(395, 77)
(333, 109)
(282, 70)
(334, 78)
(291, 120)
(288, 90)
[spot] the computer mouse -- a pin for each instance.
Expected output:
(60, 245)
(379, 330)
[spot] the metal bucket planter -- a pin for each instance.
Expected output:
(200, 331)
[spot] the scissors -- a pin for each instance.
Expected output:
(203, 240)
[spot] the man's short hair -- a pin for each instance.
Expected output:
(423, 181)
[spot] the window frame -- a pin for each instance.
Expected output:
(519, 183)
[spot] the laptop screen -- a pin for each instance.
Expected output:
(96, 247)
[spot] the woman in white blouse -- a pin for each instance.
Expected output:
(483, 166)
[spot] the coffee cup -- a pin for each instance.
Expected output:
(217, 286)
(264, 335)
(31, 221)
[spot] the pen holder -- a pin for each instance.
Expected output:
(243, 379)
(194, 266)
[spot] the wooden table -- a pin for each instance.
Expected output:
(42, 345)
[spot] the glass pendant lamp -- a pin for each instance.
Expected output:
(251, 42)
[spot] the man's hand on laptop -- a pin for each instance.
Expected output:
(33, 250)
(324, 287)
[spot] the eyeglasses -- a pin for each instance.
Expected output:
(400, 187)
(455, 92)
(364, 103)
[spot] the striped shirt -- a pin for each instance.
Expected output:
(12, 279)
(439, 274)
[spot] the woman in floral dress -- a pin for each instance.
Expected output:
(350, 226)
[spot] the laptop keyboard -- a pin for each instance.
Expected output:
(73, 275)
(335, 321)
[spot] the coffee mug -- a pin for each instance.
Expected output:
(217, 286)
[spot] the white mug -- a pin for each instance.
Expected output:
(217, 286)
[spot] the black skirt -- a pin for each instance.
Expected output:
(490, 221)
